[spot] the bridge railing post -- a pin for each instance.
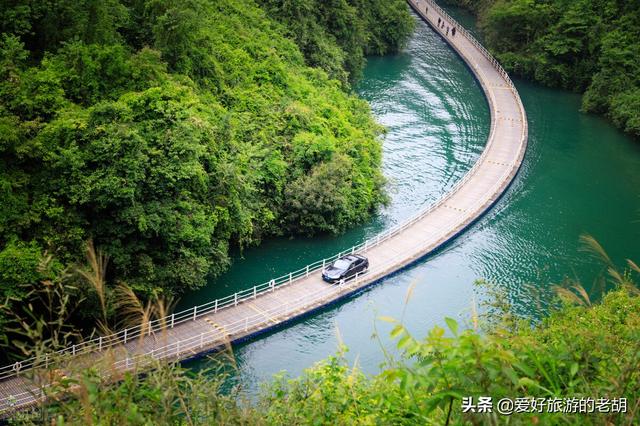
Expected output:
(125, 335)
(195, 312)
(307, 272)
(173, 318)
(255, 292)
(273, 285)
(235, 299)
(290, 277)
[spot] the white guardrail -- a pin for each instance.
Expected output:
(174, 349)
(219, 337)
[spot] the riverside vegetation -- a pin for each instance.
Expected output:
(587, 46)
(582, 349)
(166, 133)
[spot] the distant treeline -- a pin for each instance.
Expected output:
(167, 132)
(588, 46)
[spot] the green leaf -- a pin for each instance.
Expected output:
(397, 330)
(574, 369)
(404, 341)
(511, 374)
(452, 324)
(524, 368)
(530, 383)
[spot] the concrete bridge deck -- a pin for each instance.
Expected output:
(217, 323)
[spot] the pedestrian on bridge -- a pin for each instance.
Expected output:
(439, 21)
(453, 32)
(447, 30)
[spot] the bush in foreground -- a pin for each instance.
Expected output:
(578, 351)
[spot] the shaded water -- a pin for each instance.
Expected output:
(580, 175)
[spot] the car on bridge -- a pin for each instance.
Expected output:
(345, 268)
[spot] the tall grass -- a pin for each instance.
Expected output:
(582, 349)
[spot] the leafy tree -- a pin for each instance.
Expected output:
(336, 35)
(586, 46)
(169, 132)
(19, 264)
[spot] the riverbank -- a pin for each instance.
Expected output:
(453, 376)
(580, 176)
(276, 303)
(579, 46)
(142, 142)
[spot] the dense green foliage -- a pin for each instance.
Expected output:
(167, 132)
(588, 46)
(579, 351)
(336, 35)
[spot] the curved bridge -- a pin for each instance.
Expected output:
(208, 327)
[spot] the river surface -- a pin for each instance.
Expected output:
(580, 176)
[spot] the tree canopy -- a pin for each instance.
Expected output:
(587, 46)
(336, 35)
(168, 132)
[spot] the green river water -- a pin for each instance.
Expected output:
(580, 175)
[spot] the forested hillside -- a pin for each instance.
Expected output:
(336, 35)
(168, 132)
(588, 46)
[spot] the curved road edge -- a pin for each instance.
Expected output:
(239, 317)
